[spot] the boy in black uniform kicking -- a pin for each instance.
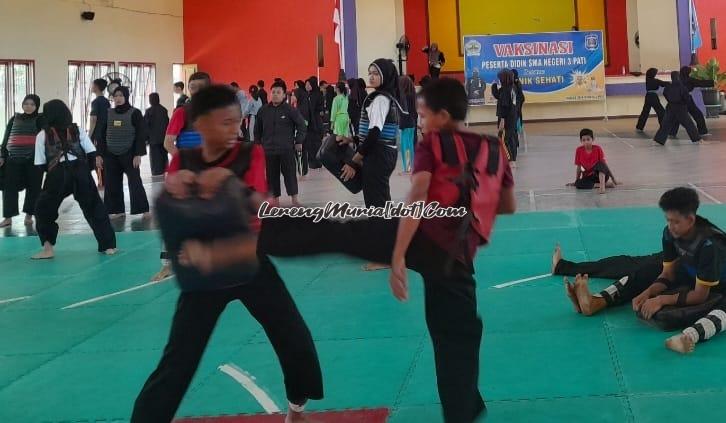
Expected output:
(217, 116)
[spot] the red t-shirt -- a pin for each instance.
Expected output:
(177, 122)
(255, 178)
(443, 231)
(588, 160)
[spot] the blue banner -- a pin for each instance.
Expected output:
(552, 67)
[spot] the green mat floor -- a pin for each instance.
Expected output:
(540, 361)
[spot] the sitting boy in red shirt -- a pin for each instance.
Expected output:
(591, 166)
(216, 115)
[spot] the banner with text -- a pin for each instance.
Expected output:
(553, 67)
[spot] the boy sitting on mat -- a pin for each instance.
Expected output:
(694, 262)
(590, 164)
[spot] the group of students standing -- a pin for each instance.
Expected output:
(681, 109)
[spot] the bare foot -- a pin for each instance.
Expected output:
(46, 254)
(680, 343)
(111, 251)
(6, 223)
(371, 267)
(162, 274)
(28, 219)
(601, 190)
(116, 216)
(582, 292)
(556, 257)
(146, 216)
(513, 165)
(611, 184)
(570, 290)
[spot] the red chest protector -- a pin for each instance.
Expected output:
(474, 183)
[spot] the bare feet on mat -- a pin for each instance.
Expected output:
(6, 223)
(582, 292)
(293, 417)
(556, 257)
(570, 291)
(513, 165)
(46, 253)
(611, 184)
(162, 274)
(601, 190)
(116, 215)
(111, 251)
(680, 343)
(28, 219)
(370, 267)
(146, 216)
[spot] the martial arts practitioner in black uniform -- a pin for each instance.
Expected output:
(677, 111)
(652, 101)
(121, 149)
(65, 153)
(692, 83)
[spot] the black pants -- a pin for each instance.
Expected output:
(511, 137)
(159, 159)
(311, 145)
(641, 271)
(21, 174)
(114, 169)
(697, 116)
(434, 72)
(378, 165)
(285, 164)
(588, 182)
(64, 180)
(450, 297)
(652, 101)
(676, 114)
(269, 302)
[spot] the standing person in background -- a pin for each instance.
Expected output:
(298, 98)
(508, 113)
(121, 150)
(261, 91)
(340, 121)
(356, 97)
(408, 122)
(253, 107)
(692, 83)
(241, 97)
(157, 120)
(179, 90)
(181, 133)
(17, 161)
(520, 102)
(436, 60)
(281, 131)
(676, 111)
(313, 114)
(99, 116)
(652, 101)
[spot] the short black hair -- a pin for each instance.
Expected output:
(261, 83)
(682, 200)
(179, 85)
(323, 82)
(446, 94)
(584, 132)
(100, 83)
(198, 76)
(212, 98)
(279, 84)
(234, 84)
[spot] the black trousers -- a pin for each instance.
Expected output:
(269, 302)
(114, 169)
(21, 174)
(697, 116)
(434, 72)
(64, 180)
(676, 114)
(641, 271)
(311, 145)
(450, 297)
(588, 182)
(378, 165)
(511, 137)
(159, 158)
(285, 164)
(652, 101)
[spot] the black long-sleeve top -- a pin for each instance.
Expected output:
(278, 127)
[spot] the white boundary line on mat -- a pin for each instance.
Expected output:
(103, 297)
(517, 282)
(704, 193)
(13, 300)
(247, 382)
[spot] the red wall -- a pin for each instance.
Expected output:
(708, 9)
(248, 40)
(416, 22)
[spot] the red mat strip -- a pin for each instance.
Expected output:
(379, 415)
